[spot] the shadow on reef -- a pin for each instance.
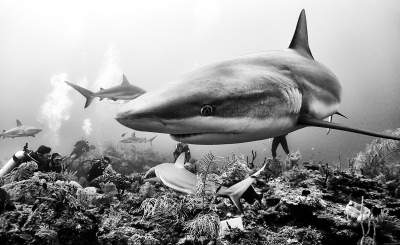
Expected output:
(302, 203)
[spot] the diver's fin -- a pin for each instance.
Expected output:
(180, 161)
(19, 123)
(280, 140)
(300, 37)
(124, 80)
(85, 92)
(323, 124)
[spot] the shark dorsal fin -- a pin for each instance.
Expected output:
(300, 37)
(180, 161)
(124, 80)
(19, 123)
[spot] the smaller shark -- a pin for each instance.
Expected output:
(124, 91)
(175, 176)
(134, 139)
(20, 131)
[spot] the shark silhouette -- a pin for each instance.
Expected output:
(266, 95)
(124, 91)
(20, 131)
(134, 139)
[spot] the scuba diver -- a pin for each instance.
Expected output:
(98, 167)
(45, 161)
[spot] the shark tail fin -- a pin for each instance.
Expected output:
(300, 37)
(325, 124)
(2, 134)
(85, 92)
(151, 140)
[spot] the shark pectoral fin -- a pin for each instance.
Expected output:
(305, 121)
(180, 161)
(275, 143)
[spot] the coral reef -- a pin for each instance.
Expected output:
(298, 206)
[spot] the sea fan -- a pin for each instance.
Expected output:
(381, 156)
(204, 225)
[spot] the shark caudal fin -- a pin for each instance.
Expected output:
(300, 37)
(2, 134)
(85, 92)
(242, 189)
(151, 140)
(324, 124)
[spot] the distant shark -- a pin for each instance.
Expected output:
(266, 95)
(134, 139)
(20, 131)
(175, 176)
(124, 91)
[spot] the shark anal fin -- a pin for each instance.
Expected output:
(280, 140)
(323, 124)
(300, 37)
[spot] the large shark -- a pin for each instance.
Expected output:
(124, 91)
(175, 176)
(266, 95)
(134, 139)
(20, 131)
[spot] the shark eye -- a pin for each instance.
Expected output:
(207, 110)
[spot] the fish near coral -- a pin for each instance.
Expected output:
(266, 95)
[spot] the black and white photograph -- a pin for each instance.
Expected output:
(204, 122)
